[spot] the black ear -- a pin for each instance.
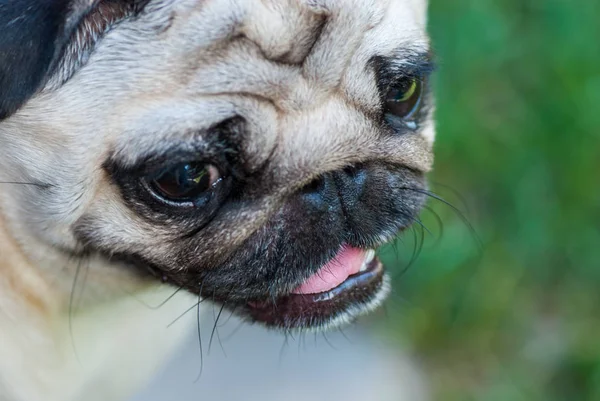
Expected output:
(32, 33)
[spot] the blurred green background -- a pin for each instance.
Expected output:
(518, 152)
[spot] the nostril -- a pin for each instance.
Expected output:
(321, 192)
(351, 171)
(315, 186)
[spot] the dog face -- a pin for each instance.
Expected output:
(251, 152)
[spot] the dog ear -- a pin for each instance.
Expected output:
(32, 34)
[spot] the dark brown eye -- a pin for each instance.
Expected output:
(185, 182)
(404, 98)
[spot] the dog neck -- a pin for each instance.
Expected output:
(51, 350)
(23, 281)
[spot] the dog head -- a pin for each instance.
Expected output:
(251, 152)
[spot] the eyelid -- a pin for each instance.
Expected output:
(216, 145)
(158, 164)
(400, 79)
(420, 71)
(390, 70)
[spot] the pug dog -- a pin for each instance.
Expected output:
(252, 154)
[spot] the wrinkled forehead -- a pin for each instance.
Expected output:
(182, 66)
(296, 58)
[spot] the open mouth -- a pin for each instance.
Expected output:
(351, 284)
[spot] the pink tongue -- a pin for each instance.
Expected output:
(346, 263)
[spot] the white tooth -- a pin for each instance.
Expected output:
(369, 256)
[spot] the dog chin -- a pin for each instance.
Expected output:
(350, 284)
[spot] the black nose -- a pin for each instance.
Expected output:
(350, 183)
(358, 205)
(321, 193)
(337, 191)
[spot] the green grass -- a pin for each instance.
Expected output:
(518, 99)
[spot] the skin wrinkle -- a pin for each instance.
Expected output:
(34, 292)
(281, 44)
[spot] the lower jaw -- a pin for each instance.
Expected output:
(358, 295)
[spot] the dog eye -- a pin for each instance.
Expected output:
(185, 182)
(404, 98)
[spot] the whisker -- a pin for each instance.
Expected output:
(186, 312)
(396, 247)
(163, 303)
(413, 257)
(440, 224)
(458, 195)
(283, 348)
(458, 212)
(83, 283)
(420, 223)
(32, 184)
(215, 329)
(301, 337)
(199, 340)
(329, 342)
(146, 304)
(229, 318)
(421, 242)
(417, 249)
(71, 303)
(345, 336)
